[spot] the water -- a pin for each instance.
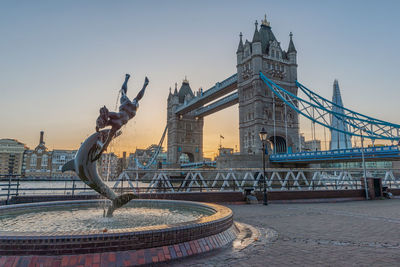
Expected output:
(86, 219)
(58, 187)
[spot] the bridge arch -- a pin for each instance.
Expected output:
(186, 157)
(278, 144)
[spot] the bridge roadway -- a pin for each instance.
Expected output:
(218, 90)
(340, 155)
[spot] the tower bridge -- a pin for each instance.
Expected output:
(266, 88)
(257, 104)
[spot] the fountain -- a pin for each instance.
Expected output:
(85, 161)
(132, 225)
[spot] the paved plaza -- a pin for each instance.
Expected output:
(358, 233)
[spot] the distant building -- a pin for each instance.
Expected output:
(339, 140)
(108, 166)
(131, 161)
(225, 151)
(312, 145)
(58, 159)
(122, 163)
(144, 156)
(38, 161)
(11, 156)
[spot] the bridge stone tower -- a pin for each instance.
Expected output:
(257, 105)
(185, 132)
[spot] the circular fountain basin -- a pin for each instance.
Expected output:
(78, 227)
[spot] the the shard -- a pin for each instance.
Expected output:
(339, 140)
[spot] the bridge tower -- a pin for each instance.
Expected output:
(185, 132)
(257, 106)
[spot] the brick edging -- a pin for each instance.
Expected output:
(131, 257)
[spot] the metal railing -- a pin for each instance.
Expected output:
(354, 153)
(189, 180)
(199, 164)
(9, 187)
(206, 180)
(15, 185)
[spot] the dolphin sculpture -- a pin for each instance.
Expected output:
(86, 169)
(85, 162)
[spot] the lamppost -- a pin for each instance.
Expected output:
(263, 138)
(363, 164)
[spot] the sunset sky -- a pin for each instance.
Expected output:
(60, 61)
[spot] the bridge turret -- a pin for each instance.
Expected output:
(292, 57)
(170, 94)
(172, 103)
(256, 43)
(291, 52)
(185, 91)
(240, 50)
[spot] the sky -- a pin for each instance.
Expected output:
(60, 61)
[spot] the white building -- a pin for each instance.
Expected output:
(108, 166)
(11, 156)
(58, 159)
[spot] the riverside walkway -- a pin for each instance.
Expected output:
(358, 233)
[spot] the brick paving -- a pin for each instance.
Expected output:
(358, 233)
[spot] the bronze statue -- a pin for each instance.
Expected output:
(127, 110)
(84, 163)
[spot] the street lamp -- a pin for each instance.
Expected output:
(363, 163)
(263, 138)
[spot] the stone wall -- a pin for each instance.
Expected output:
(239, 161)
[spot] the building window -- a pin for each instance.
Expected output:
(44, 160)
(272, 53)
(33, 159)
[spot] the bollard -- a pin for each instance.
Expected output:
(9, 188)
(17, 193)
(73, 187)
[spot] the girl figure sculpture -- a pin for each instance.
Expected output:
(127, 110)
(85, 162)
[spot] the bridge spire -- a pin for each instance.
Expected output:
(291, 47)
(176, 89)
(264, 22)
(256, 36)
(240, 47)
